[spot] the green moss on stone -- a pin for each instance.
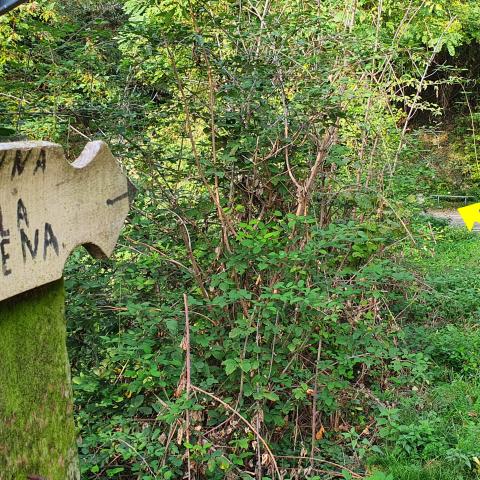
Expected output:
(37, 434)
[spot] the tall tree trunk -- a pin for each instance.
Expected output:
(37, 434)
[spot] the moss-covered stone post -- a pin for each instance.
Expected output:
(37, 434)
(47, 208)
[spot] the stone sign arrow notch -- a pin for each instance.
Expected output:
(48, 207)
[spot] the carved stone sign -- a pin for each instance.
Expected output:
(48, 207)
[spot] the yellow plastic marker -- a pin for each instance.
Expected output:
(470, 214)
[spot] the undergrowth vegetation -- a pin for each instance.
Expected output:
(396, 392)
(432, 432)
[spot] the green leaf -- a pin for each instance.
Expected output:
(231, 365)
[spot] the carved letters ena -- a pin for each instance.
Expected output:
(48, 207)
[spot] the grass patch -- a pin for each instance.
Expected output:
(433, 432)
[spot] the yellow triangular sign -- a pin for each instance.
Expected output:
(470, 214)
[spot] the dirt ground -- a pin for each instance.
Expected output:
(453, 217)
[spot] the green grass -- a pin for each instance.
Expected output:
(433, 433)
(408, 471)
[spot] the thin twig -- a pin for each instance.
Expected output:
(314, 402)
(244, 420)
(189, 381)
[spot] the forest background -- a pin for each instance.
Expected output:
(279, 305)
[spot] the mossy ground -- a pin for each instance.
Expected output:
(37, 435)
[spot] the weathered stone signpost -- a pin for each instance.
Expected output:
(47, 208)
